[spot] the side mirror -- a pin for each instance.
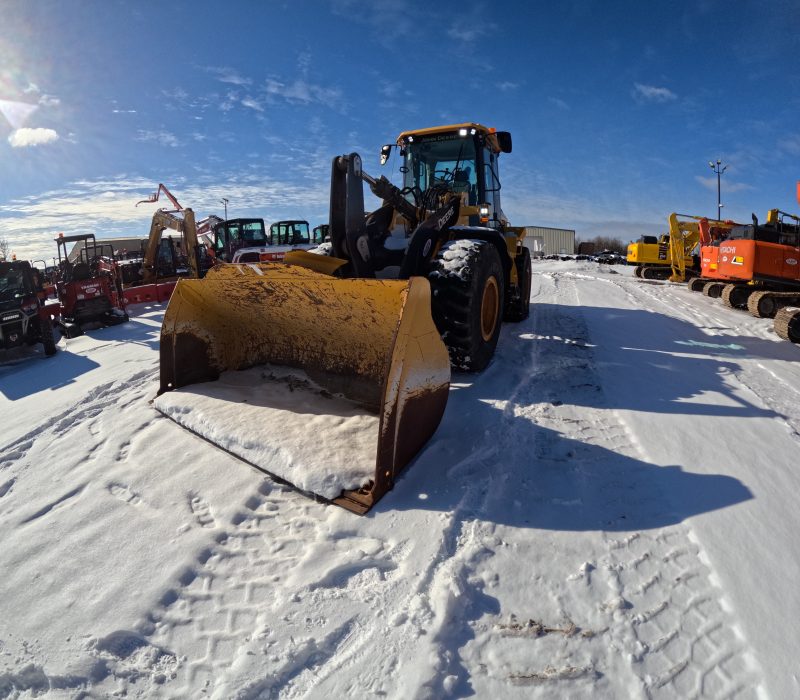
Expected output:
(504, 141)
(386, 151)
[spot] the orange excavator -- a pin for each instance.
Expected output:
(710, 281)
(761, 264)
(787, 318)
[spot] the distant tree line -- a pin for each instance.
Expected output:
(602, 243)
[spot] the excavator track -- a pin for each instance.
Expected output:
(696, 284)
(713, 289)
(651, 272)
(787, 324)
(736, 296)
(766, 304)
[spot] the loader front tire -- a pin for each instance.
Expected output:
(467, 287)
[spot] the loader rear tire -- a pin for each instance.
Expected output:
(520, 308)
(467, 303)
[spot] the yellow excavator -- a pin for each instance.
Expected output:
(670, 255)
(356, 344)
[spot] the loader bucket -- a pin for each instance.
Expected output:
(332, 385)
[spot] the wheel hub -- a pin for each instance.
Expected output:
(490, 308)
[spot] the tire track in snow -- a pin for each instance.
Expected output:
(116, 393)
(770, 382)
(690, 643)
(650, 595)
(274, 571)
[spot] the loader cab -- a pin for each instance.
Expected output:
(320, 234)
(462, 159)
(289, 233)
(233, 234)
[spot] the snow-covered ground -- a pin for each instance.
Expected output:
(607, 511)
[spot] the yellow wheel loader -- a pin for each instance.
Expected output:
(355, 345)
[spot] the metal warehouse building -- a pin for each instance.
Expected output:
(542, 240)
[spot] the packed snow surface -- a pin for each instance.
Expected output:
(608, 511)
(277, 420)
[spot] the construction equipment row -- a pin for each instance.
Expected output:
(753, 266)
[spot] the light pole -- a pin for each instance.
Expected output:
(718, 168)
(224, 201)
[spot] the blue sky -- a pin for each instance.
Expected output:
(615, 107)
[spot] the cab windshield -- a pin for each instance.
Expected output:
(442, 159)
(13, 282)
(289, 233)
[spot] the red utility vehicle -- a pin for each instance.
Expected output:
(25, 318)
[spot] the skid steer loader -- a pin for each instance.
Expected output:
(356, 345)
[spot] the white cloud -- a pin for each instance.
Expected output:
(391, 21)
(304, 62)
(463, 33)
(507, 85)
(25, 138)
(653, 94)
(32, 88)
(49, 101)
(228, 75)
(165, 138)
(472, 24)
(558, 102)
(252, 104)
(123, 111)
(791, 145)
(108, 204)
(710, 183)
(303, 92)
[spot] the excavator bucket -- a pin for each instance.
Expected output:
(332, 385)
